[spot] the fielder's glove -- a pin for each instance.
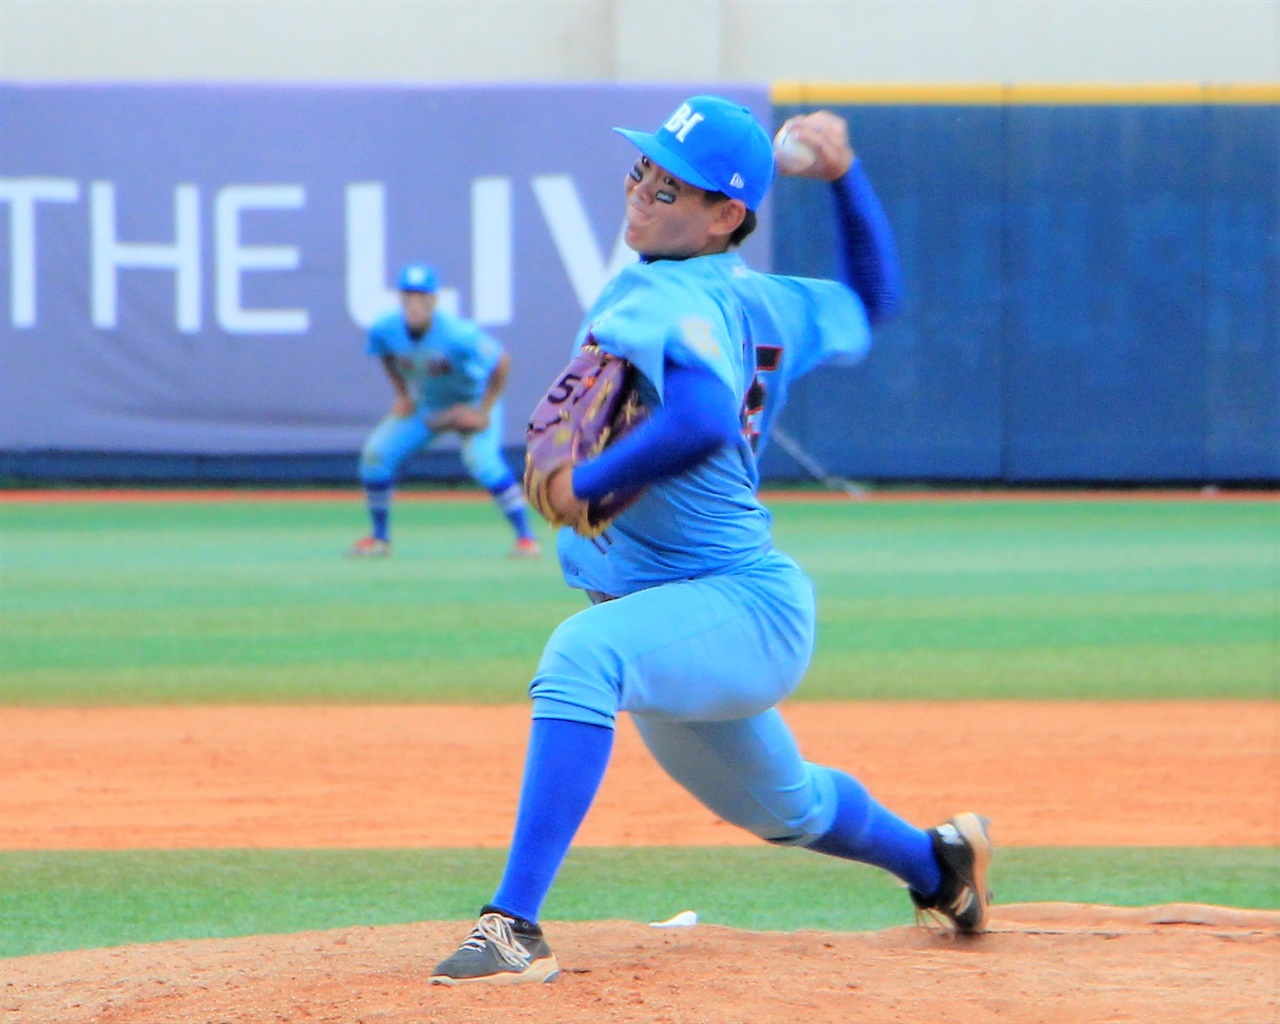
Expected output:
(591, 404)
(460, 418)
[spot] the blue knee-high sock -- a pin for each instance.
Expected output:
(378, 498)
(562, 772)
(865, 831)
(510, 499)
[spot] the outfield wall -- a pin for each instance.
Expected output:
(1093, 286)
(1093, 275)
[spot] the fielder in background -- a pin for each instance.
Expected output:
(698, 626)
(448, 377)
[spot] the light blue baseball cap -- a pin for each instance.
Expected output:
(715, 144)
(417, 277)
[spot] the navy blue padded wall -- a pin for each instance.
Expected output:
(926, 403)
(1092, 295)
(1104, 272)
(1242, 290)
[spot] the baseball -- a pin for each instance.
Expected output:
(792, 154)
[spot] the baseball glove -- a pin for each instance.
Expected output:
(460, 418)
(591, 404)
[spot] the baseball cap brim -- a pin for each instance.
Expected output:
(651, 146)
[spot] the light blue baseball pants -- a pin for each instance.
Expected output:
(396, 438)
(700, 665)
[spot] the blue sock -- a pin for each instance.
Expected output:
(865, 831)
(562, 772)
(378, 498)
(510, 498)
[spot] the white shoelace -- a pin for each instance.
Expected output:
(496, 931)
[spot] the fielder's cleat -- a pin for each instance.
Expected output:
(501, 950)
(369, 547)
(526, 547)
(963, 849)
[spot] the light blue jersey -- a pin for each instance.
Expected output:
(449, 364)
(715, 312)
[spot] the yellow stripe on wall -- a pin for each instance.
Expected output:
(994, 94)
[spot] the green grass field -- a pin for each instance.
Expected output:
(249, 601)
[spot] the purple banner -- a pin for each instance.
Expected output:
(191, 269)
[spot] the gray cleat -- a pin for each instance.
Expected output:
(501, 950)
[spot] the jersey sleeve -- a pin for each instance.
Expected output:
(482, 354)
(378, 340)
(665, 317)
(813, 320)
(796, 325)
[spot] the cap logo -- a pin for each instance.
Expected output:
(682, 121)
(736, 181)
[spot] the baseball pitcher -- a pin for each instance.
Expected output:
(698, 626)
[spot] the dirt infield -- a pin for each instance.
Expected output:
(1176, 773)
(1052, 774)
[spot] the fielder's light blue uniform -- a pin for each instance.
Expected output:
(711, 626)
(449, 364)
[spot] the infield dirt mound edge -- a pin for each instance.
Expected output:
(1050, 963)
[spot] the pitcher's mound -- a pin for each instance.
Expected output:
(1049, 963)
